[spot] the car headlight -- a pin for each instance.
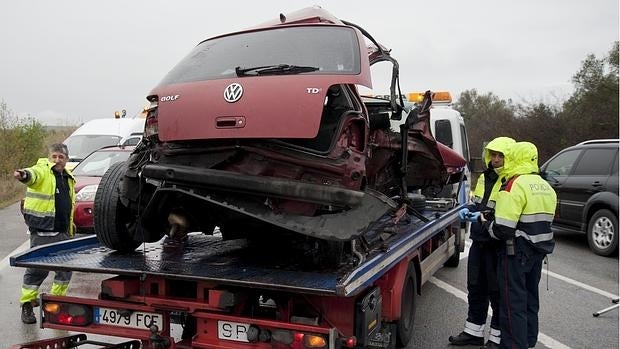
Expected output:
(87, 193)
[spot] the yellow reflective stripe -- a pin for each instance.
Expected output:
(536, 217)
(534, 238)
(39, 214)
(33, 195)
(505, 222)
(28, 295)
(490, 203)
(59, 289)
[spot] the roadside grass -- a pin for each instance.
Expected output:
(11, 191)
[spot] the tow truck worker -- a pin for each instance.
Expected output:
(48, 212)
(482, 286)
(524, 210)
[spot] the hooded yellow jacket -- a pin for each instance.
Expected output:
(499, 144)
(526, 203)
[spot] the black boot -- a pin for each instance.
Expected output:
(27, 313)
(491, 345)
(466, 339)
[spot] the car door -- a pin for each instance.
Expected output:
(557, 170)
(589, 176)
(612, 181)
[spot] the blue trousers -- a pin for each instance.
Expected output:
(518, 278)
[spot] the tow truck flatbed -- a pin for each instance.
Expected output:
(233, 262)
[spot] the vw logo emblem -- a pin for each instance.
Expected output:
(233, 92)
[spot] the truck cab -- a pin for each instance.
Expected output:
(448, 127)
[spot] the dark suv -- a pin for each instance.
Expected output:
(585, 177)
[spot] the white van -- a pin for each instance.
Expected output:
(98, 133)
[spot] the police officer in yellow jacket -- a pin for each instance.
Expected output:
(48, 212)
(524, 210)
(482, 288)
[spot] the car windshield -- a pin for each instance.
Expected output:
(97, 163)
(323, 49)
(81, 145)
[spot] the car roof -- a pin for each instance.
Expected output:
(599, 141)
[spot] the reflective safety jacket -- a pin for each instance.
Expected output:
(488, 183)
(525, 204)
(39, 206)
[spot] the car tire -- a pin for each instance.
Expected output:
(113, 225)
(603, 233)
(405, 325)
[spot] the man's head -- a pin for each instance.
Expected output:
(59, 155)
(497, 158)
(495, 150)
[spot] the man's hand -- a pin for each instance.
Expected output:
(19, 175)
(466, 215)
(463, 213)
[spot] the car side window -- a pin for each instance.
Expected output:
(562, 164)
(595, 162)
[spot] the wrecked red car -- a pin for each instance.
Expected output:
(263, 134)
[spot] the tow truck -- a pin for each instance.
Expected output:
(234, 294)
(267, 206)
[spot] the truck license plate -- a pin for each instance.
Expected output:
(233, 331)
(137, 319)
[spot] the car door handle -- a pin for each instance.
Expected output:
(597, 184)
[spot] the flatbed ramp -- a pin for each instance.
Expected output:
(233, 262)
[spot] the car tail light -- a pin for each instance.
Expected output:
(349, 342)
(314, 341)
(151, 127)
(67, 314)
(308, 340)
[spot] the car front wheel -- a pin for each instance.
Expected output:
(603, 233)
(114, 225)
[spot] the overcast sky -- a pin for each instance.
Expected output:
(69, 61)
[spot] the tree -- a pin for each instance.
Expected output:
(21, 140)
(486, 117)
(592, 111)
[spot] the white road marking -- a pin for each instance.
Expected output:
(557, 276)
(542, 338)
(580, 284)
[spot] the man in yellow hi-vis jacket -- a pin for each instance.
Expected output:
(524, 210)
(482, 289)
(48, 212)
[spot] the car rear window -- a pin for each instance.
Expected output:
(595, 162)
(333, 50)
(97, 163)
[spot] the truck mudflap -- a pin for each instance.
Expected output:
(234, 262)
(75, 341)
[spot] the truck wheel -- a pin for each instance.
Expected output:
(113, 224)
(404, 325)
(603, 233)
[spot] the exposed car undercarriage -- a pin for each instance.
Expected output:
(328, 189)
